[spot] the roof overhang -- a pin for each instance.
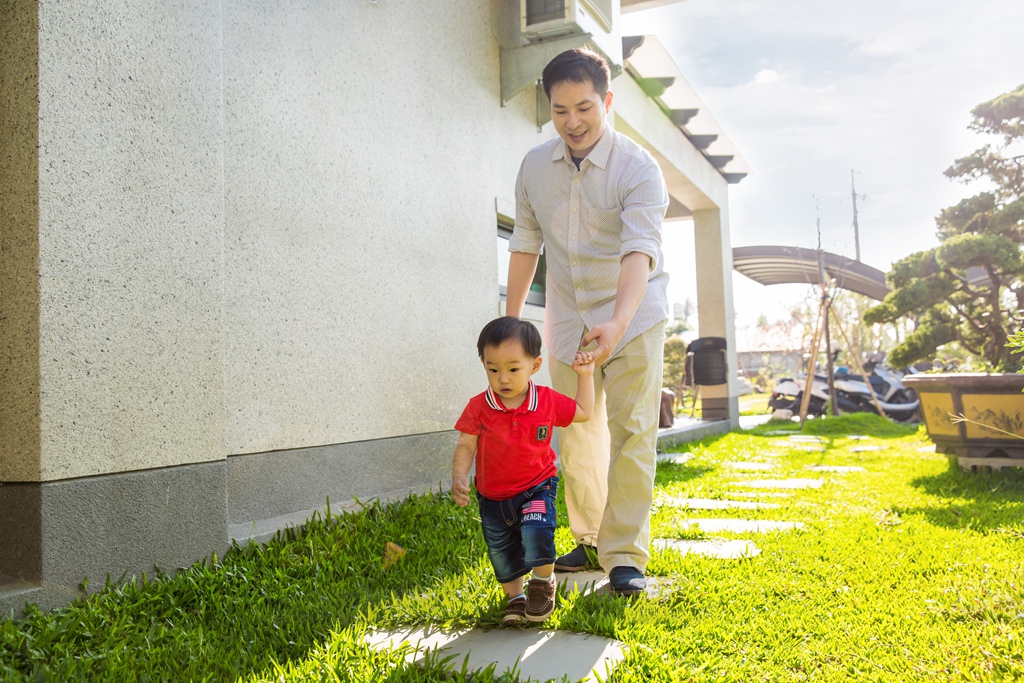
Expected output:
(657, 74)
(775, 265)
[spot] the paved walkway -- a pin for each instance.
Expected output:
(541, 654)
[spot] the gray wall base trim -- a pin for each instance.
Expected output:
(264, 530)
(669, 438)
(264, 486)
(55, 534)
(14, 596)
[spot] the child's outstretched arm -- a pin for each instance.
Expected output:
(465, 449)
(583, 366)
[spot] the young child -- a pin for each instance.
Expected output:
(508, 428)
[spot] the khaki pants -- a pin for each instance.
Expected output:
(608, 462)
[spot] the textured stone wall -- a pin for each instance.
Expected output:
(256, 227)
(131, 225)
(365, 148)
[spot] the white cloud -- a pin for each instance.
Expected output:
(880, 47)
(809, 90)
(767, 77)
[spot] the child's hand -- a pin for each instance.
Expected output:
(460, 490)
(583, 364)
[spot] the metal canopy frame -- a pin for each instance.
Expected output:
(775, 265)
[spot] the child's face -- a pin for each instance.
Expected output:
(509, 369)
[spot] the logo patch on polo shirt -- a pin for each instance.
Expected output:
(542, 433)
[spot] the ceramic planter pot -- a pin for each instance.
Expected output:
(988, 401)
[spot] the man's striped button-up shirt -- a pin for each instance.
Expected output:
(586, 220)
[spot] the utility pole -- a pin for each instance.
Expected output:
(856, 228)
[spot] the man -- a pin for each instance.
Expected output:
(595, 201)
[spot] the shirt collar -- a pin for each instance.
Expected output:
(530, 403)
(598, 156)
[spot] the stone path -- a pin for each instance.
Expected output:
(715, 504)
(761, 494)
(718, 548)
(751, 466)
(540, 654)
(794, 483)
(836, 468)
(675, 458)
(739, 526)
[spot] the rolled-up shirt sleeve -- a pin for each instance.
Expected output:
(643, 208)
(526, 235)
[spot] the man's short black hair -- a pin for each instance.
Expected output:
(578, 65)
(501, 330)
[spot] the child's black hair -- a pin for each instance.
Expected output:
(578, 65)
(500, 330)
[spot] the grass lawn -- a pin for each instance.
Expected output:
(754, 404)
(750, 404)
(908, 571)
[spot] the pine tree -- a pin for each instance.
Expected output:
(970, 289)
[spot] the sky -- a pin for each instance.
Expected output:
(810, 90)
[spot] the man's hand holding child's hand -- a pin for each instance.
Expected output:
(460, 490)
(583, 363)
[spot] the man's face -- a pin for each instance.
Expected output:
(579, 114)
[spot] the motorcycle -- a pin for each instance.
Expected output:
(852, 396)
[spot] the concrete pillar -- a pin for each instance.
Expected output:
(111, 163)
(713, 251)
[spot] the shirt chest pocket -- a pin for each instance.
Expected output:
(604, 227)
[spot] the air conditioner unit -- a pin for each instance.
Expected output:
(544, 20)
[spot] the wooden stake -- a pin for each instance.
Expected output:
(806, 400)
(860, 367)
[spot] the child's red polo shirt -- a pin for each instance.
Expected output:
(513, 451)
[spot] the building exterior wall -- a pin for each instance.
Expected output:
(227, 194)
(365, 147)
(248, 248)
(260, 246)
(131, 225)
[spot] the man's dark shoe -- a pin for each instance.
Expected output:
(582, 557)
(626, 581)
(540, 599)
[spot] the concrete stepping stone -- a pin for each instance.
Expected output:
(718, 548)
(862, 449)
(676, 458)
(795, 483)
(751, 466)
(740, 526)
(715, 504)
(585, 582)
(778, 432)
(597, 583)
(926, 449)
(836, 468)
(761, 494)
(541, 654)
(806, 438)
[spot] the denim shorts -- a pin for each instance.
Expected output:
(520, 531)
